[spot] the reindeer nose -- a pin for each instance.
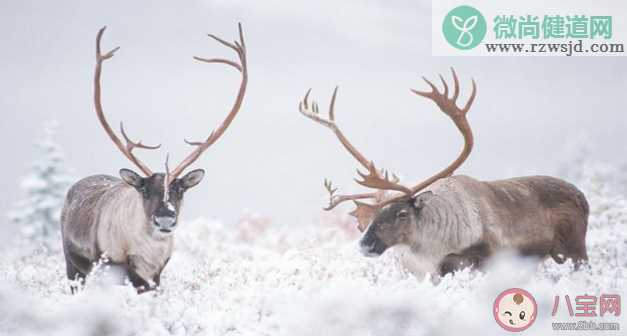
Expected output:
(365, 248)
(366, 245)
(371, 246)
(165, 222)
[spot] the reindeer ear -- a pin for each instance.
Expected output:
(421, 199)
(192, 178)
(131, 178)
(364, 214)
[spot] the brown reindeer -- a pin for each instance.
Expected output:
(131, 220)
(451, 221)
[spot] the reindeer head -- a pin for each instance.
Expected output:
(162, 193)
(391, 219)
(162, 198)
(394, 224)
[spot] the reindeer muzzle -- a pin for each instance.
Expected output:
(371, 246)
(165, 220)
(165, 224)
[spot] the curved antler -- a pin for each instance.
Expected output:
(380, 179)
(458, 115)
(373, 176)
(313, 112)
(127, 149)
(201, 146)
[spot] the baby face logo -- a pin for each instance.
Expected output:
(515, 309)
(464, 27)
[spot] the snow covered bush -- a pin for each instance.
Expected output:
(37, 215)
(260, 278)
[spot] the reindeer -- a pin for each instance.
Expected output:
(449, 222)
(131, 220)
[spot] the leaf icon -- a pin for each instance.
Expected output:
(470, 23)
(458, 22)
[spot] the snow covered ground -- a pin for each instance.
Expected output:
(257, 278)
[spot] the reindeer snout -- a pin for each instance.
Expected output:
(165, 222)
(371, 246)
(165, 219)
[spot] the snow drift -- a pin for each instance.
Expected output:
(259, 279)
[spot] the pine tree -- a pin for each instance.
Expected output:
(38, 215)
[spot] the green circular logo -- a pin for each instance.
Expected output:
(464, 27)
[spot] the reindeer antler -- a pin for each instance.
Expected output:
(381, 179)
(312, 112)
(335, 200)
(449, 107)
(240, 48)
(127, 149)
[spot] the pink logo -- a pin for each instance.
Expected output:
(515, 309)
(586, 305)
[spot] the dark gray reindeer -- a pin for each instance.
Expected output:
(131, 220)
(449, 222)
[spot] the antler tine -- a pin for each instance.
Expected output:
(433, 87)
(313, 114)
(445, 93)
(242, 67)
(166, 179)
(332, 105)
(219, 60)
(376, 180)
(456, 84)
(127, 149)
(225, 43)
(238, 47)
(99, 56)
(130, 144)
(471, 100)
(335, 200)
(329, 186)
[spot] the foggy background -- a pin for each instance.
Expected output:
(531, 113)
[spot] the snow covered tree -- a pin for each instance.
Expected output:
(37, 215)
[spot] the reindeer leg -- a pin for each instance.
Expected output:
(473, 256)
(76, 267)
(570, 243)
(157, 278)
(74, 273)
(138, 282)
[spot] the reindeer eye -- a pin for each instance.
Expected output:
(402, 214)
(176, 190)
(144, 192)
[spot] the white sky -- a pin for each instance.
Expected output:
(529, 112)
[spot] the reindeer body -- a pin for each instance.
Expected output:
(459, 221)
(105, 216)
(450, 222)
(131, 220)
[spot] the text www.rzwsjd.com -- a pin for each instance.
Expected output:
(567, 49)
